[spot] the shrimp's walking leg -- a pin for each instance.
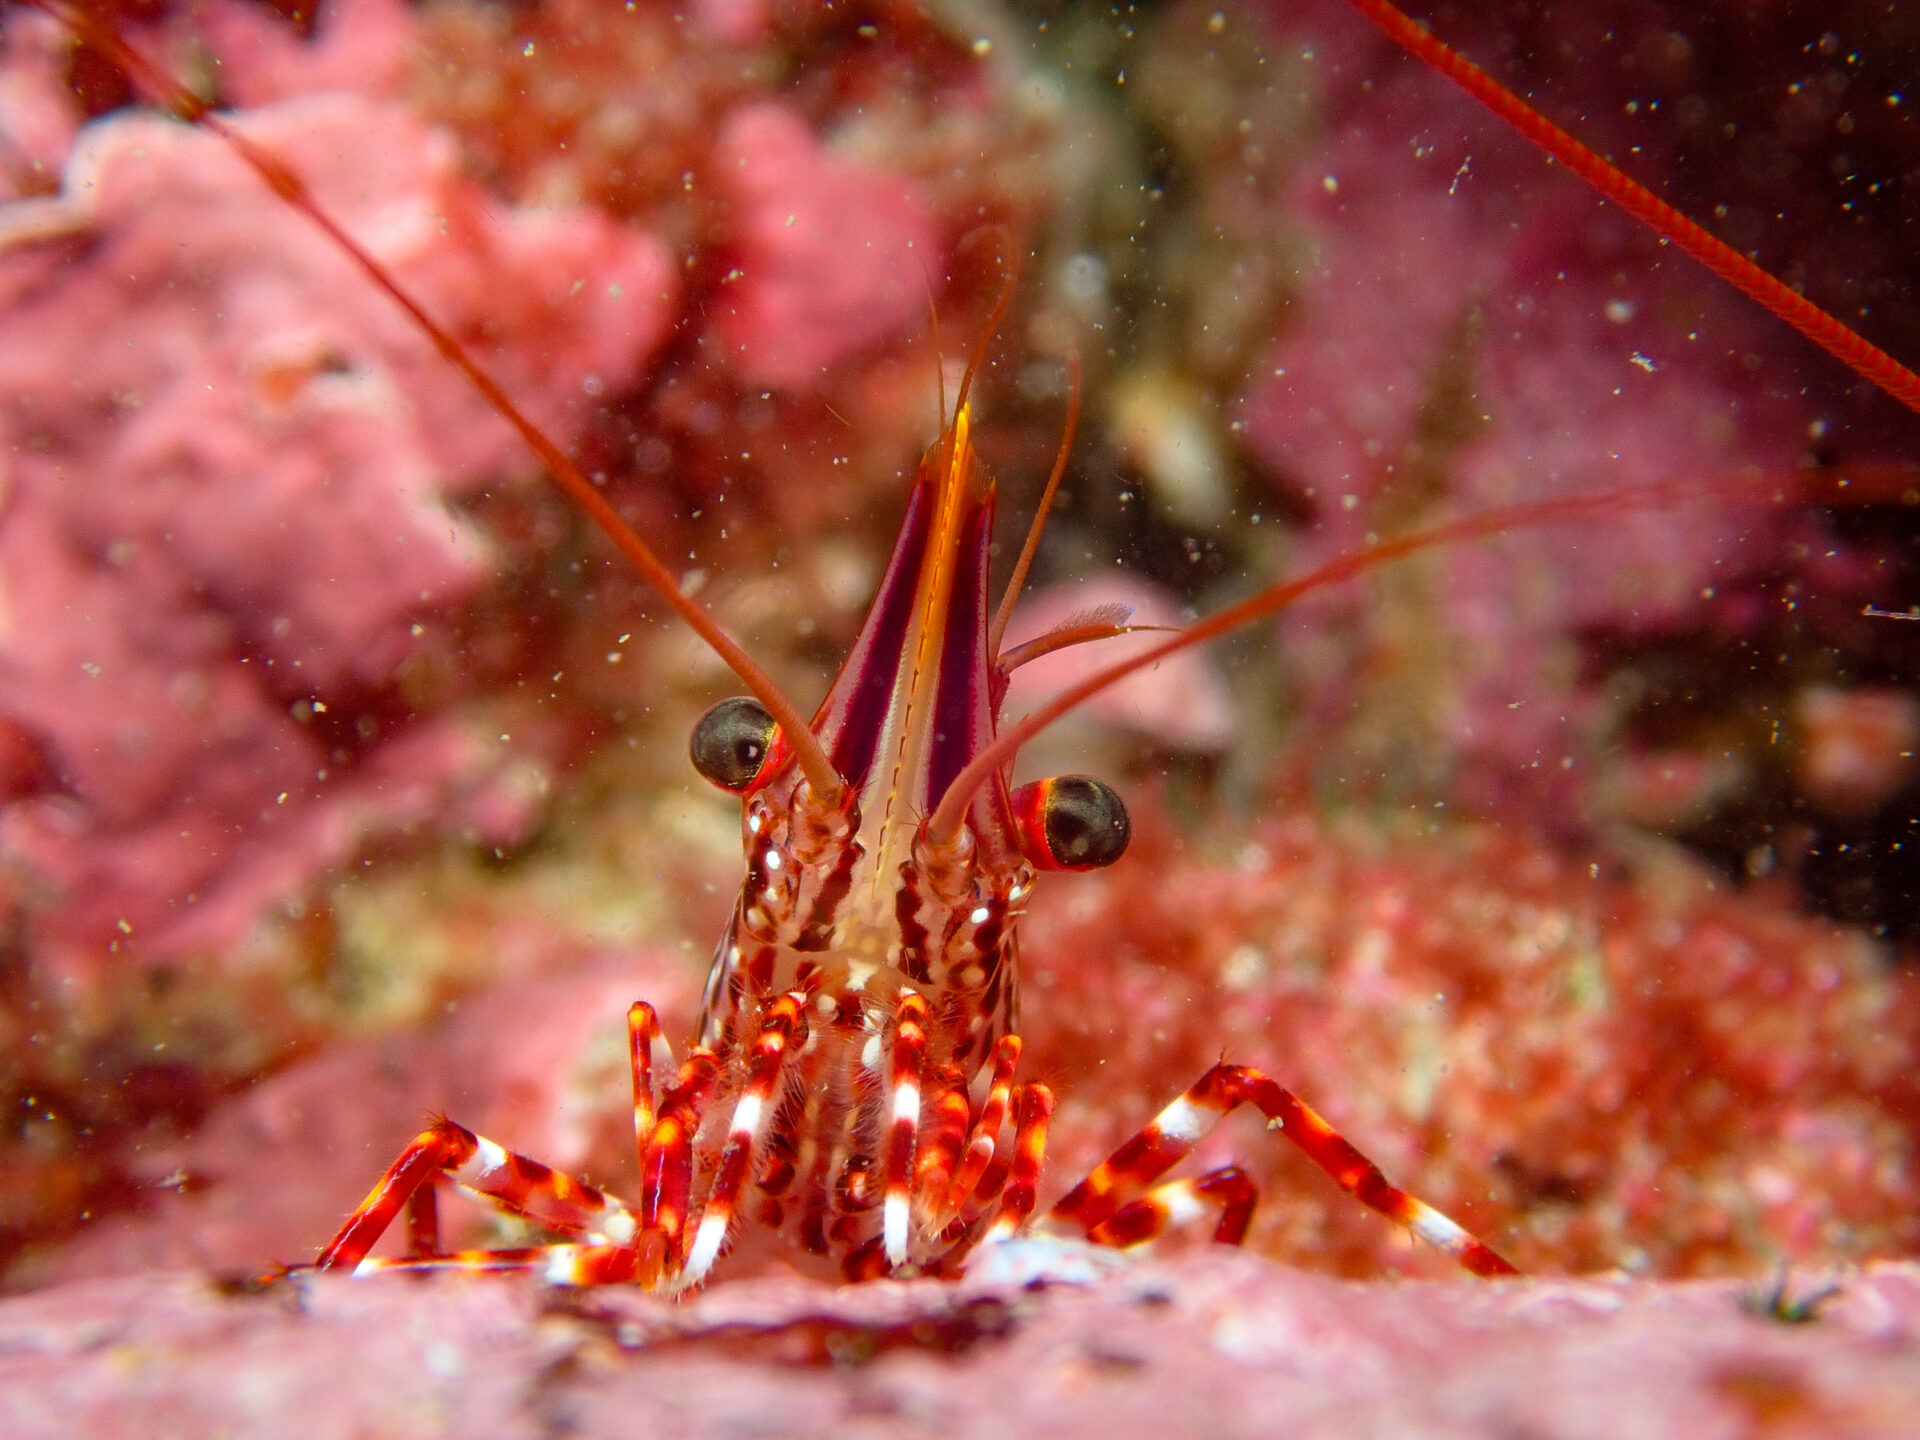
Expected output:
(1228, 1190)
(1125, 1175)
(643, 1029)
(903, 1126)
(666, 1160)
(569, 1264)
(423, 1220)
(983, 1139)
(1033, 1108)
(783, 1029)
(450, 1153)
(510, 1183)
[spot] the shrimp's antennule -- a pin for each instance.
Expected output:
(1011, 262)
(1017, 580)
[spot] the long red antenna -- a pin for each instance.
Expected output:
(1863, 357)
(290, 187)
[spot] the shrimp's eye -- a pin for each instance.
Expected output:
(1071, 822)
(730, 742)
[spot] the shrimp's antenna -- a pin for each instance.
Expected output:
(1854, 351)
(939, 365)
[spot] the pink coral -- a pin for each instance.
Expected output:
(1474, 329)
(232, 462)
(833, 254)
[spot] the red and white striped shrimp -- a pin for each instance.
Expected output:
(853, 1081)
(855, 1064)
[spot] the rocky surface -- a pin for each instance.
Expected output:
(1211, 1344)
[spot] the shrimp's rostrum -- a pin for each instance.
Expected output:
(854, 1080)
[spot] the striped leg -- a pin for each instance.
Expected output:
(666, 1163)
(1228, 1190)
(562, 1264)
(782, 1030)
(985, 1136)
(900, 1178)
(447, 1152)
(510, 1183)
(946, 1124)
(643, 1028)
(423, 1220)
(1124, 1176)
(434, 1152)
(903, 1126)
(1033, 1108)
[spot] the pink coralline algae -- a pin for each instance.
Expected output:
(832, 255)
(1473, 328)
(228, 531)
(1591, 1068)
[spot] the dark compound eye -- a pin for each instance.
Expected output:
(730, 742)
(1071, 822)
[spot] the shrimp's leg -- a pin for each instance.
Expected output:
(513, 1184)
(983, 1139)
(448, 1153)
(1124, 1176)
(1229, 1190)
(666, 1159)
(564, 1264)
(643, 1029)
(423, 1220)
(782, 1031)
(903, 1126)
(1033, 1109)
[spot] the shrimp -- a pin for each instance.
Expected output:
(856, 1058)
(856, 1053)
